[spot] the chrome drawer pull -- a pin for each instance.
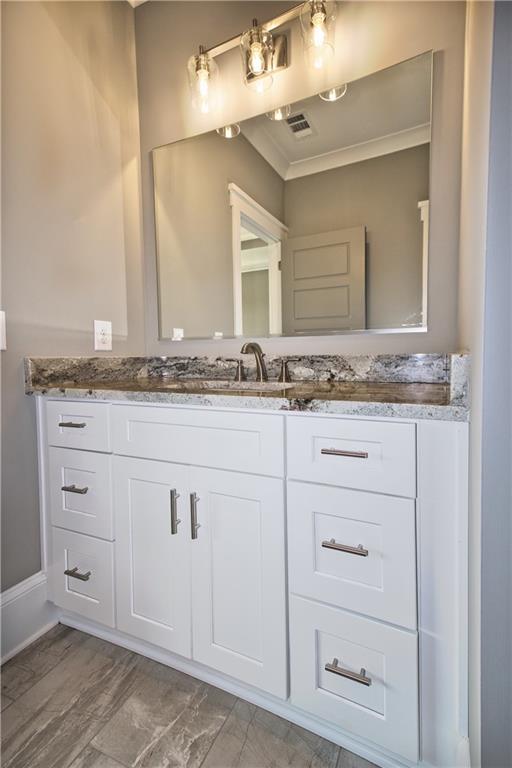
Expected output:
(333, 544)
(73, 424)
(74, 572)
(350, 454)
(194, 525)
(356, 677)
(74, 489)
(174, 511)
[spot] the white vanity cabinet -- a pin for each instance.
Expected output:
(153, 574)
(313, 564)
(200, 566)
(352, 559)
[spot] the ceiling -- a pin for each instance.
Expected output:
(381, 113)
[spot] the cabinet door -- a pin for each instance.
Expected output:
(152, 555)
(238, 577)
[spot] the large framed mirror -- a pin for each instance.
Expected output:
(315, 223)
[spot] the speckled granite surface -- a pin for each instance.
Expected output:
(425, 369)
(405, 386)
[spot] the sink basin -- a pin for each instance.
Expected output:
(220, 385)
(247, 386)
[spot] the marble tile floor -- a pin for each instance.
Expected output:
(72, 700)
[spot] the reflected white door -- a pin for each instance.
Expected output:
(324, 282)
(152, 561)
(238, 578)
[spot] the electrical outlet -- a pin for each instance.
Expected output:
(103, 335)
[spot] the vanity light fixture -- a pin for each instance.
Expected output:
(264, 53)
(203, 74)
(257, 49)
(334, 94)
(281, 113)
(229, 131)
(317, 19)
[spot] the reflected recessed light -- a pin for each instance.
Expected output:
(333, 94)
(281, 113)
(229, 131)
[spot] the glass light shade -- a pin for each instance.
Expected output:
(256, 48)
(259, 84)
(203, 76)
(229, 131)
(333, 94)
(281, 113)
(317, 18)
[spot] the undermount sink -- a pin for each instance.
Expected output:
(228, 386)
(256, 386)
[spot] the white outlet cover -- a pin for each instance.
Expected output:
(102, 335)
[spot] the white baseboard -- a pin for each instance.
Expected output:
(463, 753)
(25, 615)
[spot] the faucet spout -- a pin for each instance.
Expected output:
(254, 348)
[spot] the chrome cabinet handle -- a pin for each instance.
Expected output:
(75, 573)
(194, 525)
(174, 511)
(74, 489)
(333, 544)
(360, 677)
(73, 424)
(350, 454)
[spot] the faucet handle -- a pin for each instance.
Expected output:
(284, 376)
(240, 374)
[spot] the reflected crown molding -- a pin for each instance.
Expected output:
(384, 145)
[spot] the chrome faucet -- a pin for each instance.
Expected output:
(254, 347)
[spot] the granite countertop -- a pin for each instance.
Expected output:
(365, 398)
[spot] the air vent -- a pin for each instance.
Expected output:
(299, 125)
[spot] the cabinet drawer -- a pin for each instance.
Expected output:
(326, 527)
(356, 673)
(93, 595)
(241, 441)
(80, 491)
(78, 425)
(369, 455)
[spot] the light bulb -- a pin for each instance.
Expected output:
(256, 59)
(319, 30)
(203, 74)
(256, 49)
(203, 82)
(317, 18)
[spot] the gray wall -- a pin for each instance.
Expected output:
(255, 303)
(71, 238)
(496, 650)
(383, 194)
(370, 36)
(195, 254)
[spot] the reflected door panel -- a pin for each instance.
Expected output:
(324, 282)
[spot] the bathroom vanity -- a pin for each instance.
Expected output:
(311, 562)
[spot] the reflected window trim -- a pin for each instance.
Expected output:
(244, 206)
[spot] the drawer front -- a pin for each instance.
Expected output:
(356, 673)
(239, 441)
(368, 455)
(78, 425)
(353, 549)
(93, 559)
(80, 491)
